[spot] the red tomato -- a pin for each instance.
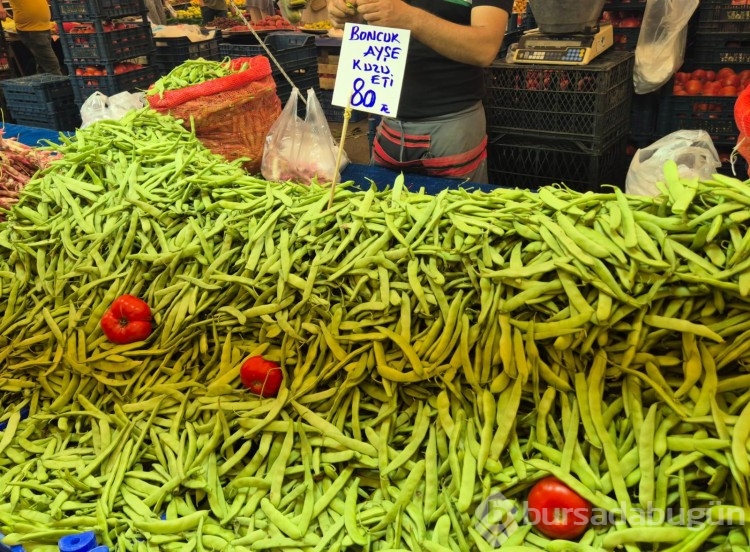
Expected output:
(728, 91)
(556, 510)
(630, 23)
(724, 72)
(127, 320)
(693, 87)
(262, 377)
(731, 80)
(711, 88)
(744, 75)
(699, 74)
(710, 75)
(681, 77)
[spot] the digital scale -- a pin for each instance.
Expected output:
(567, 49)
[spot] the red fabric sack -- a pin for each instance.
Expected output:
(231, 115)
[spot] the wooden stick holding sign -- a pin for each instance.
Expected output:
(369, 75)
(337, 172)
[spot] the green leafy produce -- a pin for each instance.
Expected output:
(436, 350)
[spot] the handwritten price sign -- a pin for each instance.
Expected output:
(371, 68)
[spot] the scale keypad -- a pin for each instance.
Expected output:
(570, 55)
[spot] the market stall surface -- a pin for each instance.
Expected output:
(440, 354)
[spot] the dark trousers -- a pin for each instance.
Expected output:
(39, 43)
(209, 14)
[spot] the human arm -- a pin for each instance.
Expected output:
(474, 44)
(3, 13)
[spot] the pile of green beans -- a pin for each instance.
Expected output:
(189, 73)
(437, 350)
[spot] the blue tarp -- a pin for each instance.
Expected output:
(360, 174)
(382, 177)
(30, 136)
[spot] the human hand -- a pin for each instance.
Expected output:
(386, 13)
(342, 11)
(3, 13)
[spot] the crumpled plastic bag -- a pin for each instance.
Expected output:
(301, 150)
(661, 42)
(100, 107)
(692, 150)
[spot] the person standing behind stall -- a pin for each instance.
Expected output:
(211, 9)
(33, 23)
(440, 128)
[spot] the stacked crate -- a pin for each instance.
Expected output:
(42, 101)
(110, 49)
(719, 48)
(174, 51)
(559, 123)
(296, 54)
(626, 18)
(6, 71)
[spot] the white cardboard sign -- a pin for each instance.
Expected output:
(371, 68)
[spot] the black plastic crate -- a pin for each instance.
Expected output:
(132, 41)
(109, 85)
(722, 16)
(37, 89)
(643, 116)
(334, 113)
(721, 48)
(532, 162)
(171, 52)
(294, 51)
(626, 38)
(55, 116)
(588, 103)
(87, 10)
(714, 114)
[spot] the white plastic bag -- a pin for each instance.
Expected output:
(301, 150)
(692, 150)
(661, 43)
(98, 106)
